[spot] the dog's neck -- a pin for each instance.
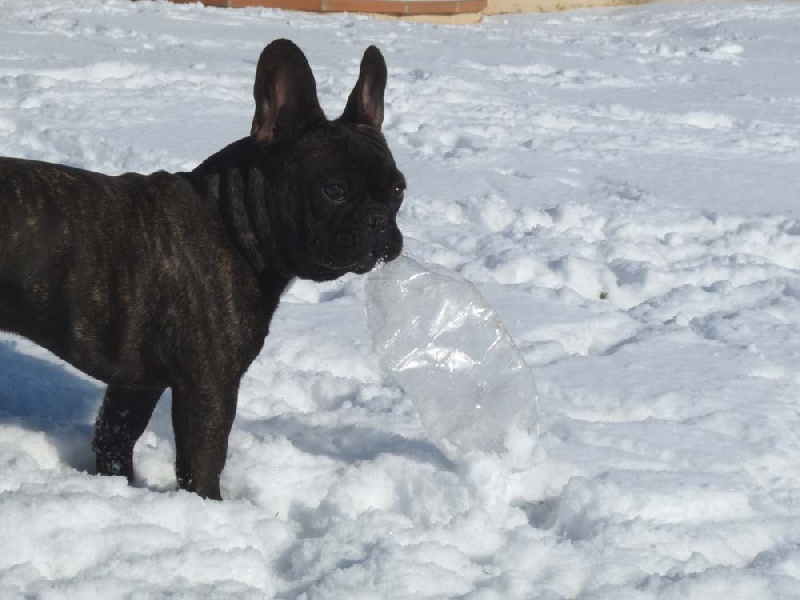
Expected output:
(235, 185)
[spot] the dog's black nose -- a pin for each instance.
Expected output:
(378, 220)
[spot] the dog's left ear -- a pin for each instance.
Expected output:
(285, 93)
(365, 104)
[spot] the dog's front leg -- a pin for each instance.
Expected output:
(202, 417)
(121, 421)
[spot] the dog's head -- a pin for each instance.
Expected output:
(336, 182)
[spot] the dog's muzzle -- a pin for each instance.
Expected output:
(378, 222)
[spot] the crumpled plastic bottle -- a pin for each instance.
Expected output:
(447, 348)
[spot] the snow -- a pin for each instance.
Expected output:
(622, 185)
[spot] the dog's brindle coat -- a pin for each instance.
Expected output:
(170, 280)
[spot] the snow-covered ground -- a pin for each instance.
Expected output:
(623, 185)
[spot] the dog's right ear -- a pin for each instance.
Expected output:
(285, 93)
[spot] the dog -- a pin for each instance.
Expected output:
(170, 280)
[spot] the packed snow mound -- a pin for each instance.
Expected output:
(434, 331)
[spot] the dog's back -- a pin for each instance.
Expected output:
(89, 263)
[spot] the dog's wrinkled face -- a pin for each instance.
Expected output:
(349, 198)
(340, 178)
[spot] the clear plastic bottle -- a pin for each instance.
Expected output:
(447, 348)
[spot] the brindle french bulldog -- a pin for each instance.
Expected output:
(170, 280)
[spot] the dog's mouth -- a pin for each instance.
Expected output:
(341, 255)
(381, 252)
(386, 254)
(368, 264)
(360, 266)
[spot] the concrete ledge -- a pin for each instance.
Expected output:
(458, 19)
(500, 7)
(396, 8)
(428, 11)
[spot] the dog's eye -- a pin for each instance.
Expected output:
(398, 192)
(334, 191)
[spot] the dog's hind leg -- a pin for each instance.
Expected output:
(202, 417)
(121, 421)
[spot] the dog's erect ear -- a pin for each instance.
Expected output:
(285, 92)
(365, 104)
